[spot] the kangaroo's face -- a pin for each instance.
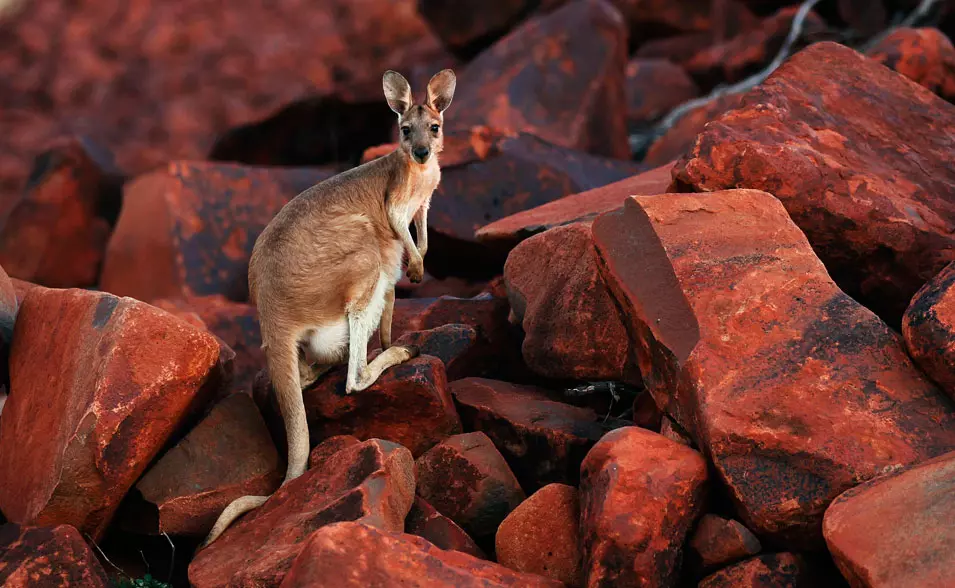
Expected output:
(420, 126)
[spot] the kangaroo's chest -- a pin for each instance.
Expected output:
(416, 191)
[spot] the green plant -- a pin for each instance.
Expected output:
(146, 581)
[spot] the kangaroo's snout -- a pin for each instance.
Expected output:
(421, 154)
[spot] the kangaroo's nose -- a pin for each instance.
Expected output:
(421, 153)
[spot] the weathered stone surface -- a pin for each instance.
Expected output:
(513, 174)
(749, 52)
(718, 542)
(680, 138)
(541, 535)
(925, 56)
(394, 560)
(542, 440)
(874, 190)
(101, 384)
(235, 323)
(227, 455)
(678, 48)
(674, 432)
(55, 233)
(466, 479)
(646, 413)
(468, 26)
(645, 102)
(897, 530)
(457, 346)
(372, 482)
(639, 496)
(571, 94)
(659, 18)
(774, 570)
(571, 323)
(8, 317)
(794, 390)
(54, 557)
(426, 522)
(928, 327)
(188, 229)
(865, 17)
(116, 61)
(329, 447)
(507, 232)
(410, 404)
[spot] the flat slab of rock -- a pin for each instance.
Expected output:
(929, 329)
(926, 56)
(794, 390)
(897, 531)
(639, 496)
(227, 455)
(571, 95)
(541, 535)
(372, 482)
(101, 383)
(329, 559)
(187, 229)
(57, 557)
(466, 479)
(459, 347)
(867, 175)
(426, 522)
(571, 323)
(543, 440)
(507, 232)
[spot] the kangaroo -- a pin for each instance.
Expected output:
(323, 272)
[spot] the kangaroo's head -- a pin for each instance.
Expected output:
(420, 126)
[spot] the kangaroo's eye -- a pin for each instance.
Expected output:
(405, 131)
(435, 128)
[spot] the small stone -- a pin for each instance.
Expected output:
(719, 542)
(426, 522)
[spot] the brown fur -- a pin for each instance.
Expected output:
(332, 255)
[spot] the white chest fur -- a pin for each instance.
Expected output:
(415, 192)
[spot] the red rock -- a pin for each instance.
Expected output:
(639, 496)
(874, 212)
(673, 432)
(656, 18)
(431, 287)
(328, 448)
(49, 557)
(21, 288)
(100, 385)
(56, 232)
(235, 323)
(718, 542)
(928, 327)
(372, 482)
(507, 232)
(467, 480)
(925, 56)
(229, 454)
(751, 51)
(540, 536)
(897, 530)
(457, 346)
(426, 522)
(571, 323)
(793, 390)
(8, 316)
(559, 76)
(542, 440)
(410, 404)
(774, 570)
(232, 65)
(329, 560)
(645, 102)
(864, 17)
(646, 413)
(188, 229)
(680, 138)
(678, 48)
(468, 26)
(515, 174)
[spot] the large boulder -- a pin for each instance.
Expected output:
(187, 229)
(572, 327)
(55, 234)
(867, 175)
(54, 557)
(571, 94)
(227, 455)
(371, 482)
(356, 555)
(99, 385)
(929, 329)
(542, 440)
(795, 391)
(640, 494)
(925, 56)
(897, 530)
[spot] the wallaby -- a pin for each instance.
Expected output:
(323, 272)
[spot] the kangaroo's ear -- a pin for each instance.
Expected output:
(441, 90)
(397, 92)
